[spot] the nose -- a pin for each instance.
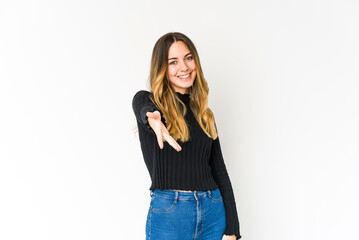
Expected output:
(183, 66)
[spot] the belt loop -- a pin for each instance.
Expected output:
(151, 192)
(176, 196)
(209, 192)
(195, 194)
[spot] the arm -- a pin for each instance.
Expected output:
(221, 177)
(141, 104)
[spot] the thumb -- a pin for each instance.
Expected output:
(155, 114)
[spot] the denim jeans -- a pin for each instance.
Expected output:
(176, 215)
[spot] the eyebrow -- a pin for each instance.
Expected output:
(176, 57)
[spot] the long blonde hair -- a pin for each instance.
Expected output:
(166, 99)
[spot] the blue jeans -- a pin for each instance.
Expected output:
(176, 215)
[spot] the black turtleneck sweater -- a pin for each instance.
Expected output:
(198, 166)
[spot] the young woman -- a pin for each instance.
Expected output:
(191, 193)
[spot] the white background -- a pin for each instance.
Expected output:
(283, 78)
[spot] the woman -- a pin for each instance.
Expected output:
(191, 193)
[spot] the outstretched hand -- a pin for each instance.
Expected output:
(154, 120)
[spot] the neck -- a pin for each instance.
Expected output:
(183, 96)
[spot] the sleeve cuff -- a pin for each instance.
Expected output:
(229, 231)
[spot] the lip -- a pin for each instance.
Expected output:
(185, 75)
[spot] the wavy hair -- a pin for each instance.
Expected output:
(165, 98)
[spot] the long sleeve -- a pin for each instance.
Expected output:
(221, 177)
(141, 104)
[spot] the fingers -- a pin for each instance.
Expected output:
(160, 141)
(162, 135)
(172, 142)
(229, 237)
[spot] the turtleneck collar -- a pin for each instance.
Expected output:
(184, 97)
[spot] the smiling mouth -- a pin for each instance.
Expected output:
(184, 76)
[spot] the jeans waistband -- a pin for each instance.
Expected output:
(176, 194)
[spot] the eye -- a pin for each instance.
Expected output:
(190, 58)
(172, 63)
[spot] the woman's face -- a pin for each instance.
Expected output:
(181, 70)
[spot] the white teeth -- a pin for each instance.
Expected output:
(186, 76)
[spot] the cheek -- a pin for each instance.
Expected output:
(171, 71)
(193, 65)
